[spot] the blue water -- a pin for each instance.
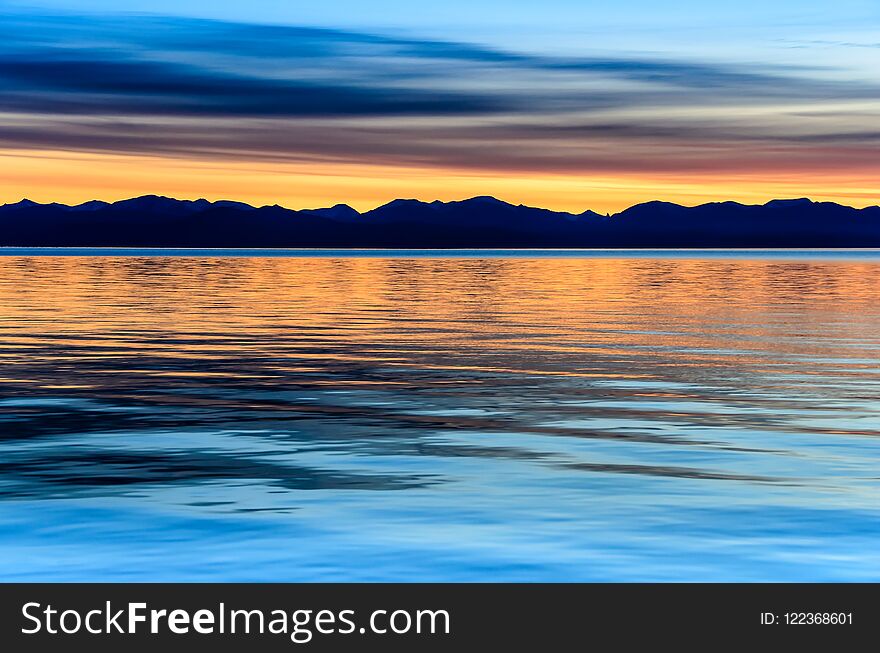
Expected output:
(318, 415)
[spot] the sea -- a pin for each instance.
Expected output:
(418, 415)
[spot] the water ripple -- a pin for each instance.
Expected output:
(389, 418)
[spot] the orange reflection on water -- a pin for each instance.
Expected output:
(637, 318)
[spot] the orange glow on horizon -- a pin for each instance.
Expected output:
(72, 178)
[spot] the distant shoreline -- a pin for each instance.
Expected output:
(478, 223)
(500, 253)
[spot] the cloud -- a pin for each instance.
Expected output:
(214, 89)
(58, 83)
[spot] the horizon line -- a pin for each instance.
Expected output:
(28, 201)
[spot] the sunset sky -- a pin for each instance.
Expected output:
(566, 104)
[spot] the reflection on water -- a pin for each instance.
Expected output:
(369, 418)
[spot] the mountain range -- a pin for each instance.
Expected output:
(479, 222)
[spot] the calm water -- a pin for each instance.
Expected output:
(651, 416)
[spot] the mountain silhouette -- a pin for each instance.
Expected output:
(479, 222)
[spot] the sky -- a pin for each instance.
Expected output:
(566, 104)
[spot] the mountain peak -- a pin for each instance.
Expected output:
(337, 212)
(91, 205)
(652, 208)
(173, 207)
(487, 199)
(146, 201)
(231, 204)
(789, 203)
(21, 204)
(655, 204)
(405, 202)
(402, 205)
